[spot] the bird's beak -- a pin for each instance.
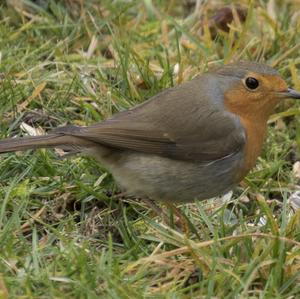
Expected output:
(291, 93)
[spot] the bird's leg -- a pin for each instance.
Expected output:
(183, 222)
(159, 211)
(182, 219)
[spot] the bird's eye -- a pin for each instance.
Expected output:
(251, 83)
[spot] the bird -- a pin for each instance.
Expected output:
(194, 141)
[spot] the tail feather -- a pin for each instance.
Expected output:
(54, 140)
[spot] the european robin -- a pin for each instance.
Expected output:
(194, 141)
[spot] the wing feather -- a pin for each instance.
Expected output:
(187, 122)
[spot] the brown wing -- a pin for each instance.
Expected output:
(183, 123)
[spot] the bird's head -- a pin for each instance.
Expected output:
(252, 90)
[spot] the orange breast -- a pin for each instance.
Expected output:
(255, 132)
(253, 114)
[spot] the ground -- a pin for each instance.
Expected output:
(66, 231)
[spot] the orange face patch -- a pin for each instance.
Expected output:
(258, 103)
(270, 82)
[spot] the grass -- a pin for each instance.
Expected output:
(65, 231)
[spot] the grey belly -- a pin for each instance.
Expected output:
(170, 180)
